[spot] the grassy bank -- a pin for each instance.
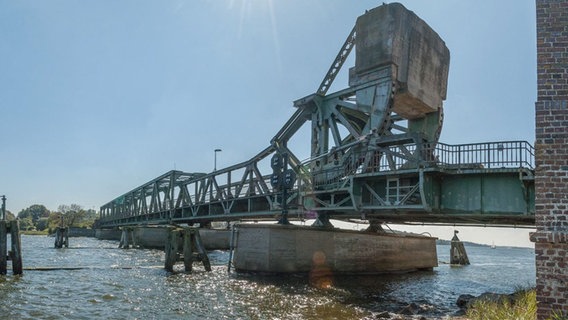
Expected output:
(521, 306)
(35, 233)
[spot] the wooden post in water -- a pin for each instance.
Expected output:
(193, 249)
(458, 256)
(61, 237)
(187, 251)
(16, 253)
(126, 238)
(3, 247)
(202, 253)
(172, 249)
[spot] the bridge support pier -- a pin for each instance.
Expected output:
(61, 237)
(15, 254)
(127, 238)
(189, 241)
(375, 226)
(322, 221)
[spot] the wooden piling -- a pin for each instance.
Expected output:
(458, 255)
(61, 237)
(126, 238)
(192, 250)
(171, 249)
(3, 247)
(187, 251)
(201, 249)
(16, 254)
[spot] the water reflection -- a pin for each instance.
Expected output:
(321, 275)
(132, 284)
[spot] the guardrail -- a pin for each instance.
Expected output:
(505, 154)
(502, 154)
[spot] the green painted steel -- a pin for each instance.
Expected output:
(374, 150)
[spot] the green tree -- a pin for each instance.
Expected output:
(35, 212)
(41, 224)
(72, 214)
(27, 224)
(53, 221)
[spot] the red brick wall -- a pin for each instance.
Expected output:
(551, 177)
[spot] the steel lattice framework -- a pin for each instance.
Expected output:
(374, 150)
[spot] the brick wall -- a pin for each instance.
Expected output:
(551, 177)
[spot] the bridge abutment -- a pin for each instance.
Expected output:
(551, 176)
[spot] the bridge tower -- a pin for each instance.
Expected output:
(551, 178)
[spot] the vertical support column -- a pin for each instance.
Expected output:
(201, 249)
(3, 247)
(61, 237)
(458, 255)
(187, 251)
(66, 237)
(551, 176)
(126, 238)
(58, 238)
(16, 254)
(172, 249)
(191, 243)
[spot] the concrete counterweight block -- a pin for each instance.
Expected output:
(393, 35)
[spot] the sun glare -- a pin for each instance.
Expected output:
(253, 10)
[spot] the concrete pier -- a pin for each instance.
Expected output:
(108, 234)
(295, 249)
(156, 237)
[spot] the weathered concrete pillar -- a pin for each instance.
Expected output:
(551, 177)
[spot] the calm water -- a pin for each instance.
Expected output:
(131, 284)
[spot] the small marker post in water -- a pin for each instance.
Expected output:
(61, 236)
(458, 256)
(12, 227)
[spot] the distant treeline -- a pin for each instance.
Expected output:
(38, 218)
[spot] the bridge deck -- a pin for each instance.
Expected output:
(485, 183)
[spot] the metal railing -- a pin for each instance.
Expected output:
(504, 154)
(488, 155)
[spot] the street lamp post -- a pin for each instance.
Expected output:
(215, 163)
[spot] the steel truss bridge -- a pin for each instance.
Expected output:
(375, 153)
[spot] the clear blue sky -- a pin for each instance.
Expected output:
(98, 97)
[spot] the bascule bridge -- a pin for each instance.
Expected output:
(375, 151)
